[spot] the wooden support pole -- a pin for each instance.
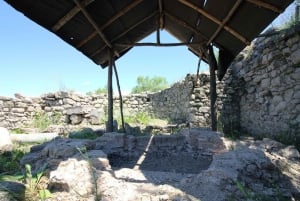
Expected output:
(120, 96)
(110, 107)
(213, 87)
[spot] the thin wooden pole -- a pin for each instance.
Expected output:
(213, 87)
(197, 75)
(120, 96)
(266, 5)
(110, 107)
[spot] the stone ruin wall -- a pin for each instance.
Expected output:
(176, 104)
(261, 96)
(262, 88)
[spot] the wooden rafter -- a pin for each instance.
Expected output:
(184, 24)
(93, 23)
(157, 44)
(215, 20)
(161, 14)
(126, 31)
(122, 12)
(70, 15)
(226, 19)
(266, 5)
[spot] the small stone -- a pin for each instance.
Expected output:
(76, 119)
(295, 57)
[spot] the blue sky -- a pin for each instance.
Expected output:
(34, 61)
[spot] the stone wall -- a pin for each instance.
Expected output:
(181, 103)
(262, 88)
(261, 96)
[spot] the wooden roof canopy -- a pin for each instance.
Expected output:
(96, 26)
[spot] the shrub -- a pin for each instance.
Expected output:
(85, 133)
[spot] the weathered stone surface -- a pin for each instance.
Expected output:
(73, 176)
(79, 110)
(95, 116)
(12, 191)
(75, 119)
(84, 170)
(5, 142)
(295, 57)
(272, 89)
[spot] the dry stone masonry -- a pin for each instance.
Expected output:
(263, 88)
(181, 103)
(260, 95)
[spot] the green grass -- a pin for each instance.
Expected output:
(17, 131)
(42, 120)
(10, 162)
(11, 170)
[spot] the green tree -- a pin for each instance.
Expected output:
(153, 84)
(102, 90)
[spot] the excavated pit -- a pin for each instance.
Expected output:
(163, 162)
(171, 153)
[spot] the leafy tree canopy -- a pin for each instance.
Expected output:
(154, 84)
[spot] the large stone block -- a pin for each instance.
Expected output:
(5, 142)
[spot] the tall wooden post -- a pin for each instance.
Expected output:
(213, 87)
(110, 108)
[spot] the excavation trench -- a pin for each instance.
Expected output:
(163, 153)
(162, 161)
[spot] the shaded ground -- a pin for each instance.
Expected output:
(163, 162)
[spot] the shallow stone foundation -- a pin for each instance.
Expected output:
(194, 164)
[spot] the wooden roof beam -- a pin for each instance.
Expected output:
(122, 12)
(161, 15)
(70, 15)
(93, 23)
(215, 20)
(157, 44)
(266, 5)
(184, 24)
(126, 31)
(226, 19)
